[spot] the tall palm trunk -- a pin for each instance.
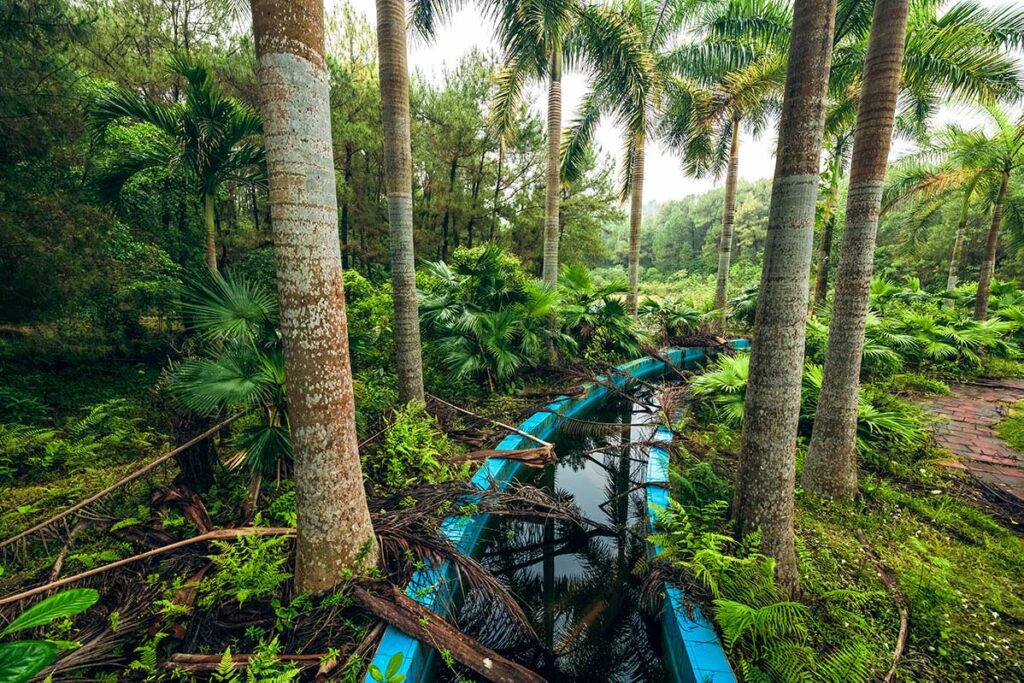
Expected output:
(394, 89)
(210, 219)
(334, 528)
(831, 466)
(958, 242)
(636, 219)
(766, 477)
(728, 220)
(553, 190)
(825, 244)
(988, 266)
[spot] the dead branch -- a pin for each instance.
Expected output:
(198, 663)
(62, 555)
(218, 535)
(892, 583)
(409, 616)
(520, 432)
(531, 457)
(141, 472)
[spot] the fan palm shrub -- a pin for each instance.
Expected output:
(486, 316)
(671, 317)
(595, 316)
(238, 367)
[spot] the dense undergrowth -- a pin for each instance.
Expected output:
(952, 564)
(487, 339)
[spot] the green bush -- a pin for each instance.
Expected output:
(250, 568)
(413, 451)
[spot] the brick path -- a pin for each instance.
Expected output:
(972, 411)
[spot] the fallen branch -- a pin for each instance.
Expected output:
(520, 432)
(531, 457)
(198, 663)
(137, 474)
(409, 616)
(218, 535)
(889, 578)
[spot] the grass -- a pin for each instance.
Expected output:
(1011, 430)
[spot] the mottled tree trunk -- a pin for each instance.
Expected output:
(210, 221)
(554, 180)
(728, 220)
(394, 88)
(825, 245)
(831, 466)
(988, 266)
(958, 242)
(636, 220)
(334, 528)
(767, 470)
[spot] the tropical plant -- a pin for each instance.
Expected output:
(730, 77)
(394, 87)
(487, 316)
(334, 530)
(831, 465)
(240, 368)
(765, 481)
(209, 137)
(594, 315)
(537, 40)
(671, 317)
(21, 660)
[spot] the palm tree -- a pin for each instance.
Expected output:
(961, 55)
(831, 465)
(766, 477)
(334, 528)
(912, 177)
(212, 138)
(394, 86)
(729, 79)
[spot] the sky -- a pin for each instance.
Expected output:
(664, 177)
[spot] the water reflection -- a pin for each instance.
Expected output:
(578, 587)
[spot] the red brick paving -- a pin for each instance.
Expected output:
(972, 411)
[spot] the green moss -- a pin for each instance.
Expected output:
(1011, 430)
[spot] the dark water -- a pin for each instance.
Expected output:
(577, 586)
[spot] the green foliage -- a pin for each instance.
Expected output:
(486, 316)
(264, 666)
(21, 660)
(413, 451)
(595, 315)
(390, 673)
(1011, 429)
(251, 568)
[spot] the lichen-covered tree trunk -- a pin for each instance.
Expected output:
(988, 266)
(728, 220)
(636, 219)
(554, 179)
(334, 529)
(210, 220)
(394, 95)
(825, 245)
(831, 466)
(767, 470)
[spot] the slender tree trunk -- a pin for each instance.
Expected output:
(344, 207)
(394, 86)
(825, 245)
(767, 470)
(497, 188)
(831, 466)
(210, 220)
(334, 528)
(988, 266)
(728, 220)
(958, 242)
(636, 219)
(554, 179)
(255, 209)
